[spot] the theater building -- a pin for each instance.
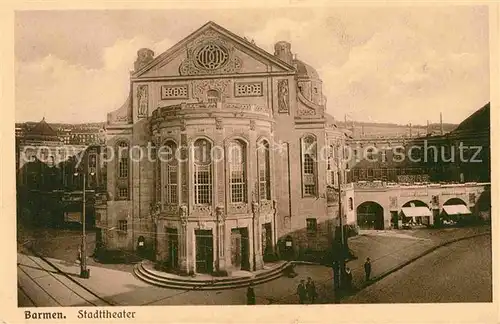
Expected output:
(261, 192)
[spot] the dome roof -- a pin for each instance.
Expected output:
(43, 131)
(305, 70)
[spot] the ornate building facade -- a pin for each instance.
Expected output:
(242, 155)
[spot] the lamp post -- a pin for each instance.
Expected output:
(84, 272)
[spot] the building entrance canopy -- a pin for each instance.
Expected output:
(457, 210)
(416, 211)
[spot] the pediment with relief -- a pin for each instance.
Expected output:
(212, 50)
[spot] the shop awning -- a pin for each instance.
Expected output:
(456, 210)
(416, 211)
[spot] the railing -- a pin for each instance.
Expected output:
(383, 185)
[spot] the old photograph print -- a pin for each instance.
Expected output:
(336, 155)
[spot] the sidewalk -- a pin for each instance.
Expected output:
(387, 250)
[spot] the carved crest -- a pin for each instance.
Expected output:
(201, 88)
(252, 124)
(393, 202)
(210, 54)
(183, 214)
(218, 123)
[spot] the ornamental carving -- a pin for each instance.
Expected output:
(221, 215)
(472, 198)
(218, 123)
(210, 54)
(283, 96)
(252, 124)
(201, 88)
(183, 214)
(393, 202)
(303, 111)
(238, 208)
(142, 100)
(183, 125)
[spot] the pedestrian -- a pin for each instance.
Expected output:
(348, 277)
(302, 292)
(250, 295)
(79, 255)
(368, 269)
(311, 290)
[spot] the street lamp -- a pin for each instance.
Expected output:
(84, 272)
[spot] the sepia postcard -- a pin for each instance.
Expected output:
(301, 162)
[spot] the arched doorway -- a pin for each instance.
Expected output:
(455, 210)
(416, 213)
(370, 215)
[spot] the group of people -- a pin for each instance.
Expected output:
(307, 291)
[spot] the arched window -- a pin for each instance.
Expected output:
(123, 171)
(309, 174)
(237, 171)
(264, 171)
(170, 171)
(202, 172)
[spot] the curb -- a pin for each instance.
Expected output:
(69, 277)
(421, 255)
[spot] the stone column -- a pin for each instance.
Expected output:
(183, 237)
(258, 261)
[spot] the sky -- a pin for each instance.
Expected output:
(380, 64)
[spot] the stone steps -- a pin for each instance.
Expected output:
(167, 281)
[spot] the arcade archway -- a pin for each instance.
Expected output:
(370, 215)
(416, 213)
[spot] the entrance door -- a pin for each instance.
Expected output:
(267, 240)
(204, 251)
(240, 248)
(236, 248)
(172, 247)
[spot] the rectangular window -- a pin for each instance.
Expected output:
(264, 176)
(171, 185)
(247, 89)
(174, 92)
(311, 225)
(123, 168)
(123, 193)
(203, 185)
(122, 225)
(238, 186)
(309, 152)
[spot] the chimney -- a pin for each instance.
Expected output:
(410, 128)
(428, 130)
(441, 122)
(345, 120)
(283, 50)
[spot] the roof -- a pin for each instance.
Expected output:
(43, 131)
(477, 121)
(456, 210)
(305, 70)
(211, 25)
(416, 211)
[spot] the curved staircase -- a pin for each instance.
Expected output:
(146, 272)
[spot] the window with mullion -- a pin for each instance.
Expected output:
(309, 175)
(202, 172)
(264, 176)
(237, 165)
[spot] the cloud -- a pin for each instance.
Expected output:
(66, 92)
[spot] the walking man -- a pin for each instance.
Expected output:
(302, 292)
(348, 277)
(368, 269)
(311, 290)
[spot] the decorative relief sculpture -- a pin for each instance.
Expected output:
(218, 123)
(210, 54)
(201, 88)
(435, 200)
(142, 100)
(183, 125)
(221, 215)
(174, 92)
(283, 96)
(183, 214)
(393, 202)
(252, 125)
